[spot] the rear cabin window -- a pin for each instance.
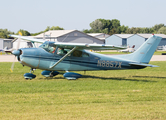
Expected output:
(78, 53)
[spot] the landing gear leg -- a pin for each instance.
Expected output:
(51, 74)
(31, 70)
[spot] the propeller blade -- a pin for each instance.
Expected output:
(16, 52)
(12, 67)
(18, 45)
(19, 39)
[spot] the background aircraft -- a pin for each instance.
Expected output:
(54, 56)
(129, 49)
(6, 50)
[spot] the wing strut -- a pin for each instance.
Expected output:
(63, 57)
(33, 44)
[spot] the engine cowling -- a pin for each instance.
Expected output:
(49, 73)
(72, 75)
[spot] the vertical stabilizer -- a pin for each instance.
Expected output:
(144, 53)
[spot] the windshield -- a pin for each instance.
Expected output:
(48, 46)
(51, 48)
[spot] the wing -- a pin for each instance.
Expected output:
(72, 45)
(88, 46)
(28, 38)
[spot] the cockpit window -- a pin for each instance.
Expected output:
(49, 47)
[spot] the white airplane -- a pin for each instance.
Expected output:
(129, 49)
(6, 50)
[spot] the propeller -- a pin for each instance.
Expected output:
(16, 52)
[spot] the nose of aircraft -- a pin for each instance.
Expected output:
(16, 52)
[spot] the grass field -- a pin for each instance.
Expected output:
(98, 95)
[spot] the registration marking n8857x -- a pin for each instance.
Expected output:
(107, 63)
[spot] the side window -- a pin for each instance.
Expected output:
(85, 54)
(78, 53)
(61, 51)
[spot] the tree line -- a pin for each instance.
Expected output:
(114, 27)
(4, 33)
(98, 26)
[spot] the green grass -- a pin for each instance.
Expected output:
(159, 52)
(98, 95)
(3, 53)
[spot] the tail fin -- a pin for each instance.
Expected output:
(144, 53)
(133, 46)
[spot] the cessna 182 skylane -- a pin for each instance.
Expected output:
(75, 57)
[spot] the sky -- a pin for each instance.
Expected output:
(35, 15)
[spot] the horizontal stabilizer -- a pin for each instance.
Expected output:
(143, 65)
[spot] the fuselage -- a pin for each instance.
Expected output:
(79, 60)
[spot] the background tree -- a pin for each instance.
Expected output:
(123, 29)
(47, 29)
(157, 27)
(116, 26)
(147, 30)
(162, 30)
(107, 26)
(96, 26)
(24, 32)
(133, 30)
(87, 31)
(56, 28)
(4, 33)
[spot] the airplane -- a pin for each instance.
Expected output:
(76, 57)
(6, 50)
(129, 49)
